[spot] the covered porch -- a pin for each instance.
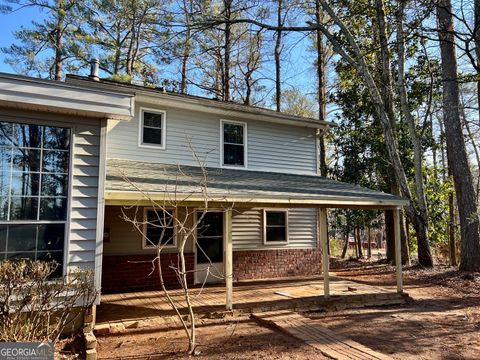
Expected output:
(146, 184)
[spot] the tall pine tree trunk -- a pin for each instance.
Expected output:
(424, 253)
(456, 149)
(227, 50)
(322, 99)
(59, 40)
(277, 55)
(477, 48)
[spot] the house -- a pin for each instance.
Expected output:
(80, 156)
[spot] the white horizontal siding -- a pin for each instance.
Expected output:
(247, 229)
(84, 196)
(270, 147)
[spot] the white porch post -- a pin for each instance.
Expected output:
(398, 250)
(323, 228)
(228, 249)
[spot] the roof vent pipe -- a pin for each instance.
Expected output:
(94, 67)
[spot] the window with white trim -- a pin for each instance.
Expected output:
(152, 128)
(159, 229)
(34, 170)
(234, 143)
(275, 229)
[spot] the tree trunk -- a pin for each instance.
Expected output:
(456, 150)
(359, 243)
(59, 39)
(187, 7)
(390, 236)
(322, 100)
(477, 48)
(369, 249)
(451, 230)
(345, 245)
(278, 52)
(227, 50)
(424, 253)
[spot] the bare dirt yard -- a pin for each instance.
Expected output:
(442, 322)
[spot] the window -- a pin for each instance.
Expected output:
(234, 143)
(159, 229)
(275, 227)
(152, 128)
(34, 168)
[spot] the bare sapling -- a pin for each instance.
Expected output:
(171, 221)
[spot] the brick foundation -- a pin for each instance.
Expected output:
(266, 264)
(125, 273)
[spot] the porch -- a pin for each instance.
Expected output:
(151, 307)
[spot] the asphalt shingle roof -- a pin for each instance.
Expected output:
(128, 177)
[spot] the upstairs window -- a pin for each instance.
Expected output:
(152, 128)
(275, 227)
(159, 229)
(234, 143)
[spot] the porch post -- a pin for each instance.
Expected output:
(228, 249)
(322, 213)
(398, 250)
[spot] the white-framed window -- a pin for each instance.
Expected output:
(233, 143)
(275, 227)
(153, 128)
(34, 183)
(159, 229)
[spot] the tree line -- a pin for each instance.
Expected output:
(401, 78)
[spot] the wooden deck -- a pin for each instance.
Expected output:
(253, 297)
(328, 342)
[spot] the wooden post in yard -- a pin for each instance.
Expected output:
(325, 256)
(398, 250)
(228, 250)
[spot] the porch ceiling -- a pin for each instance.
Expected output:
(131, 182)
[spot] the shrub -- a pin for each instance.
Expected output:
(35, 306)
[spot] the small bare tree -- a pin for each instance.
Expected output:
(171, 212)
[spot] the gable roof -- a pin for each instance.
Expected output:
(161, 97)
(126, 180)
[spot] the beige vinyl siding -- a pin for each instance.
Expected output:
(247, 229)
(124, 238)
(84, 195)
(270, 147)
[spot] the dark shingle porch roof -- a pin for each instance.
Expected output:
(126, 178)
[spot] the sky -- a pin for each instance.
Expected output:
(9, 24)
(297, 67)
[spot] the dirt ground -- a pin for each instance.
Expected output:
(217, 339)
(442, 322)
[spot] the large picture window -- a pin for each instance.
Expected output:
(152, 128)
(275, 227)
(34, 168)
(234, 143)
(159, 229)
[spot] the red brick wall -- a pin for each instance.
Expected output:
(265, 264)
(131, 272)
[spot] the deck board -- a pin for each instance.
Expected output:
(247, 297)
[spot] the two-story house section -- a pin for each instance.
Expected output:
(266, 202)
(86, 164)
